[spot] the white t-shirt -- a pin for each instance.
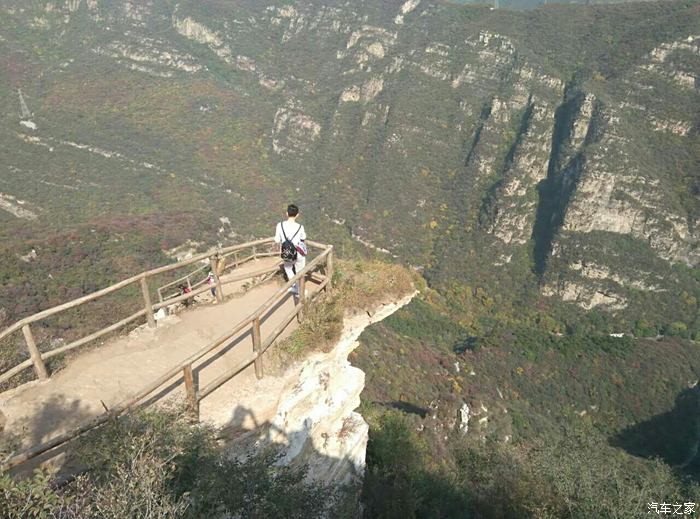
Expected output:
(290, 228)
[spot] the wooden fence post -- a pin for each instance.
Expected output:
(257, 345)
(192, 399)
(147, 303)
(39, 365)
(301, 297)
(214, 264)
(302, 289)
(329, 270)
(235, 259)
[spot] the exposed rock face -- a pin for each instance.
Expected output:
(371, 89)
(16, 207)
(351, 94)
(401, 118)
(586, 296)
(595, 285)
(315, 417)
(73, 5)
(202, 34)
(309, 410)
(293, 130)
(658, 61)
(615, 196)
(197, 31)
(515, 202)
(149, 56)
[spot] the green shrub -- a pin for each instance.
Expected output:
(156, 465)
(592, 479)
(399, 481)
(575, 475)
(644, 328)
(30, 498)
(676, 329)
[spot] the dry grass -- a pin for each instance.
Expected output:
(363, 285)
(357, 287)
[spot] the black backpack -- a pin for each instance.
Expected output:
(289, 250)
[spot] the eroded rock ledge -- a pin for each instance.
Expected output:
(309, 410)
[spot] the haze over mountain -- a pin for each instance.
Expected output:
(541, 169)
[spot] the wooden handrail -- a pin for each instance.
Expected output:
(222, 379)
(273, 299)
(254, 274)
(200, 257)
(191, 390)
(182, 297)
(38, 362)
(274, 334)
(37, 359)
(169, 300)
(204, 267)
(66, 306)
(25, 364)
(257, 353)
(121, 284)
(193, 396)
(183, 278)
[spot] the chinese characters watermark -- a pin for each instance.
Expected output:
(671, 508)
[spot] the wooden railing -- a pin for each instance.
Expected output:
(188, 367)
(226, 261)
(37, 358)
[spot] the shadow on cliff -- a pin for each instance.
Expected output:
(245, 435)
(288, 468)
(673, 436)
(395, 482)
(400, 478)
(157, 456)
(252, 468)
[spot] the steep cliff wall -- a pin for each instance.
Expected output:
(309, 409)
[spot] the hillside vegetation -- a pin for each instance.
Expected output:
(539, 169)
(532, 151)
(156, 464)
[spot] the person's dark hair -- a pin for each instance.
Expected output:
(292, 210)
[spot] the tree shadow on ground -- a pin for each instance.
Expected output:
(407, 408)
(56, 415)
(468, 344)
(302, 447)
(673, 436)
(396, 483)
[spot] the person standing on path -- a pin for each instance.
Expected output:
(291, 235)
(212, 284)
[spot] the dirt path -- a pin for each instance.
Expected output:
(114, 371)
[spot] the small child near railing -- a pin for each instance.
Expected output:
(184, 289)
